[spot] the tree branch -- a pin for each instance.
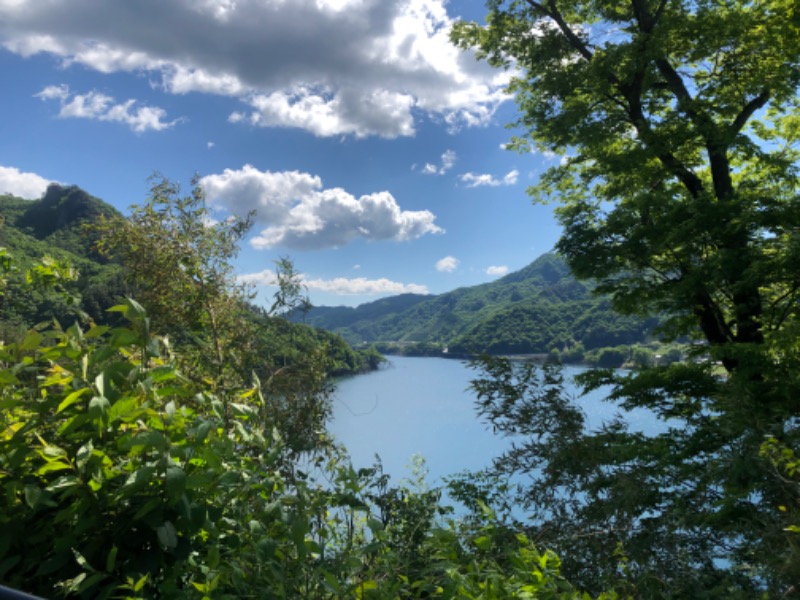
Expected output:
(749, 109)
(552, 11)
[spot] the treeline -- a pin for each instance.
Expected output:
(535, 310)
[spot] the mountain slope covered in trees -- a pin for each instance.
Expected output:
(534, 310)
(60, 225)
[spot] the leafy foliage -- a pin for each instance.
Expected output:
(216, 332)
(680, 196)
(687, 507)
(123, 477)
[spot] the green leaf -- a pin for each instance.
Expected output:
(72, 399)
(96, 331)
(140, 583)
(81, 560)
(31, 341)
(32, 495)
(167, 535)
(64, 482)
(7, 377)
(162, 373)
(148, 507)
(176, 482)
(125, 409)
(111, 561)
(51, 467)
(140, 478)
(98, 407)
(483, 542)
(144, 440)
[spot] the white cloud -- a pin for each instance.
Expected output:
(448, 264)
(477, 180)
(497, 270)
(332, 67)
(54, 92)
(341, 286)
(296, 212)
(210, 145)
(22, 184)
(265, 278)
(448, 160)
(430, 169)
(95, 105)
(326, 114)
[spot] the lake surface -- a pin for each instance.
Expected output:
(423, 406)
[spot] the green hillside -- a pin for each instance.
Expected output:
(54, 226)
(59, 226)
(534, 310)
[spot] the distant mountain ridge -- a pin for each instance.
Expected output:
(534, 310)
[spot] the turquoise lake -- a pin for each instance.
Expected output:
(423, 406)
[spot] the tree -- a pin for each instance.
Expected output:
(177, 262)
(678, 120)
(291, 296)
(679, 193)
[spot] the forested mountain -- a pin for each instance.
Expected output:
(534, 310)
(59, 226)
(53, 226)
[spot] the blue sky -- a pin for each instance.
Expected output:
(370, 148)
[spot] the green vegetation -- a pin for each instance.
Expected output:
(67, 224)
(135, 466)
(680, 196)
(132, 466)
(535, 310)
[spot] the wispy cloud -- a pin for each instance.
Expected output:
(448, 159)
(474, 180)
(296, 212)
(341, 286)
(97, 106)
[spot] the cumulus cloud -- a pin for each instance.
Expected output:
(497, 270)
(94, 105)
(332, 67)
(325, 114)
(21, 184)
(448, 264)
(474, 180)
(341, 286)
(448, 159)
(296, 212)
